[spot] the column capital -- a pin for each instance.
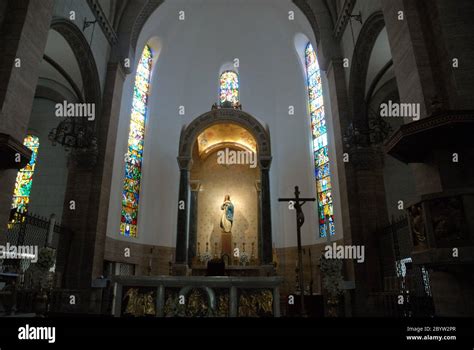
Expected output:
(184, 163)
(265, 162)
(195, 185)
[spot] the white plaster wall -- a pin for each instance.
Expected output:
(186, 73)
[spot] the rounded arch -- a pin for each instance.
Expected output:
(190, 133)
(228, 67)
(188, 138)
(300, 42)
(84, 57)
(368, 35)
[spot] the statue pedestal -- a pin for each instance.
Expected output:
(226, 241)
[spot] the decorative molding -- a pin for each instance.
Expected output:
(144, 14)
(308, 12)
(425, 134)
(360, 63)
(185, 163)
(103, 21)
(85, 59)
(9, 148)
(224, 115)
(344, 18)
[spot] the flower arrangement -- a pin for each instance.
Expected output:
(244, 258)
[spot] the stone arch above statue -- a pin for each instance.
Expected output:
(190, 132)
(186, 236)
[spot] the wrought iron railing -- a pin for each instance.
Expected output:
(30, 229)
(405, 286)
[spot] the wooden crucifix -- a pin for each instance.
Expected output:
(298, 204)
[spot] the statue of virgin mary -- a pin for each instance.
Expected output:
(228, 215)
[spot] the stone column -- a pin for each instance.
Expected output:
(258, 188)
(266, 238)
(193, 220)
(181, 263)
(89, 185)
(369, 211)
(341, 117)
(423, 47)
(23, 37)
(413, 56)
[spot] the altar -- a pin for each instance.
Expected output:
(196, 296)
(235, 271)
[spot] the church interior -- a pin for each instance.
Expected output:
(237, 158)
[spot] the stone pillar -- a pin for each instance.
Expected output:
(89, 184)
(266, 238)
(367, 166)
(193, 220)
(183, 213)
(423, 47)
(107, 136)
(23, 36)
(341, 116)
(411, 61)
(414, 58)
(258, 188)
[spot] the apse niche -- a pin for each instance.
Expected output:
(213, 181)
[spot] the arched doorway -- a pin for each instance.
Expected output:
(227, 117)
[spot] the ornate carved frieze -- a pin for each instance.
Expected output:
(223, 115)
(343, 18)
(412, 142)
(441, 222)
(103, 21)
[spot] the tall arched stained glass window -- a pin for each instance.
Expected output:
(136, 138)
(24, 179)
(320, 142)
(229, 89)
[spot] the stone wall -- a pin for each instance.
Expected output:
(141, 255)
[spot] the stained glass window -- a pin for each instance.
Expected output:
(136, 137)
(320, 142)
(229, 88)
(24, 179)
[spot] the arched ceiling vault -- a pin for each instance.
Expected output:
(132, 15)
